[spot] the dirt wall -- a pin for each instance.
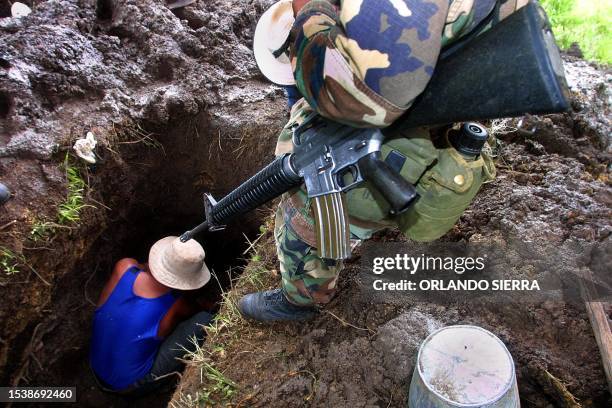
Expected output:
(174, 100)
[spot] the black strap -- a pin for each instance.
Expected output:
(283, 48)
(492, 17)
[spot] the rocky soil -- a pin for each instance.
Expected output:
(178, 108)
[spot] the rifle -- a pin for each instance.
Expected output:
(512, 69)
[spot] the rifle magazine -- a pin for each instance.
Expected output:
(332, 226)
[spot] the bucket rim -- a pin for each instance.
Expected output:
(458, 404)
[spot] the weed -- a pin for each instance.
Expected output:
(41, 230)
(256, 270)
(219, 386)
(253, 276)
(69, 211)
(9, 262)
(218, 389)
(219, 349)
(231, 314)
(227, 318)
(213, 329)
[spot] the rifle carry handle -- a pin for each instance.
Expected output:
(398, 192)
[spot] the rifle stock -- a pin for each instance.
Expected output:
(512, 69)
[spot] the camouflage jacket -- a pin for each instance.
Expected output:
(363, 62)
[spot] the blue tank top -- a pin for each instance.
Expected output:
(124, 340)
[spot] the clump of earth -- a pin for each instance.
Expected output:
(179, 108)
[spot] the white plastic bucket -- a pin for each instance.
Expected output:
(463, 366)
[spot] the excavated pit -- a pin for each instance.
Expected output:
(153, 188)
(178, 109)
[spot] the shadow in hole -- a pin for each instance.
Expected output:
(77, 293)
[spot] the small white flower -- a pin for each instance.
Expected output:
(20, 10)
(84, 148)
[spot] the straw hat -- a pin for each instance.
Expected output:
(269, 43)
(178, 265)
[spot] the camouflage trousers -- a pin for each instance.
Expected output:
(307, 279)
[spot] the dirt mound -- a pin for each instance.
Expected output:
(552, 187)
(584, 133)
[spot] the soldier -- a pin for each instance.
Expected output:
(363, 63)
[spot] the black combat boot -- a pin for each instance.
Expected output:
(272, 305)
(5, 194)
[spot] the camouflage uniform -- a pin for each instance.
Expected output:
(363, 64)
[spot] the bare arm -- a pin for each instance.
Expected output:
(118, 271)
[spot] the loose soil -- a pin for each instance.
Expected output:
(179, 108)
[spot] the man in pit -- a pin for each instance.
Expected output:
(143, 325)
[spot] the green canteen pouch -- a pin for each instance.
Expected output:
(412, 152)
(446, 190)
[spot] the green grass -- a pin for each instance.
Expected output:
(586, 22)
(229, 315)
(9, 262)
(255, 276)
(69, 212)
(219, 389)
(41, 230)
